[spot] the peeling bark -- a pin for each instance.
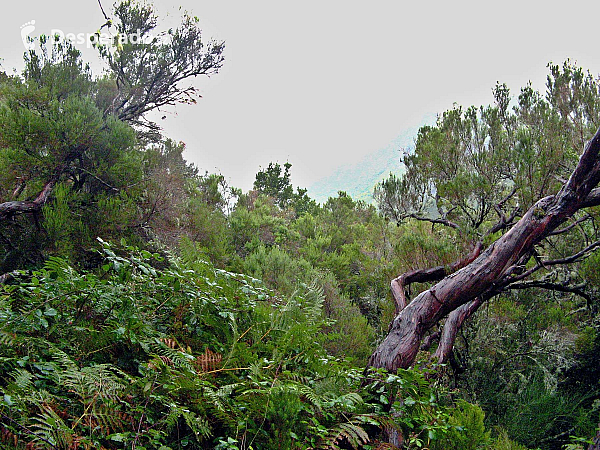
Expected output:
(493, 268)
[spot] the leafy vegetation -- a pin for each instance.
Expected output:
(146, 305)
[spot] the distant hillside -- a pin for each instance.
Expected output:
(359, 179)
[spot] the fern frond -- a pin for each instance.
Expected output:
(199, 425)
(7, 339)
(49, 428)
(7, 437)
(59, 266)
(22, 379)
(347, 432)
(314, 297)
(309, 394)
(171, 357)
(218, 403)
(351, 400)
(171, 343)
(208, 361)
(109, 420)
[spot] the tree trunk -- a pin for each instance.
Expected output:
(492, 269)
(12, 208)
(398, 285)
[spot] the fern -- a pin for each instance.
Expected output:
(58, 268)
(49, 428)
(8, 437)
(175, 357)
(7, 339)
(308, 393)
(199, 425)
(101, 381)
(313, 299)
(22, 379)
(349, 433)
(109, 420)
(208, 361)
(217, 403)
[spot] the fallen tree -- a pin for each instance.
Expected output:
(460, 293)
(471, 167)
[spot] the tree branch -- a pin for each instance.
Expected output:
(399, 284)
(570, 227)
(453, 323)
(484, 275)
(572, 289)
(441, 221)
(548, 263)
(12, 208)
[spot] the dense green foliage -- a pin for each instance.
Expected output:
(147, 305)
(476, 171)
(148, 354)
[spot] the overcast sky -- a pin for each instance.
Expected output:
(322, 83)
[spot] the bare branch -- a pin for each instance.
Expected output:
(453, 323)
(100, 180)
(12, 208)
(573, 289)
(103, 13)
(552, 262)
(399, 284)
(440, 221)
(570, 227)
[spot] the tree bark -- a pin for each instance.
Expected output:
(12, 208)
(453, 323)
(493, 268)
(398, 285)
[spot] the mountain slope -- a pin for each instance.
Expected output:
(358, 180)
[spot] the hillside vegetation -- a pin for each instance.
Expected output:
(145, 305)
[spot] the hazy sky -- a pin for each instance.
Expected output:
(322, 83)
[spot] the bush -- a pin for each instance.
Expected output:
(466, 429)
(502, 442)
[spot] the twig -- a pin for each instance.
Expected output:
(102, 9)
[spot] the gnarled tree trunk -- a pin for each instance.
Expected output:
(490, 272)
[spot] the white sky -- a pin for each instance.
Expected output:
(322, 83)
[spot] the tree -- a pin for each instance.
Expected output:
(61, 126)
(272, 182)
(148, 72)
(497, 179)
